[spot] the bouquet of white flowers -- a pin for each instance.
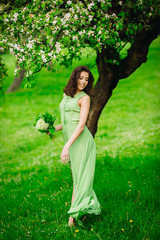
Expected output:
(44, 123)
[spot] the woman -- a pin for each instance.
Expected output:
(80, 148)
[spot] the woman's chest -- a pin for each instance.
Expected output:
(69, 104)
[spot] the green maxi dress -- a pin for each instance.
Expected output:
(82, 154)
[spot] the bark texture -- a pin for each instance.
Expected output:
(17, 81)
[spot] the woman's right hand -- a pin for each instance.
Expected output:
(48, 133)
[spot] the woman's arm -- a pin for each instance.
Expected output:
(85, 106)
(58, 127)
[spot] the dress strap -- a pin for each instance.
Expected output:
(80, 94)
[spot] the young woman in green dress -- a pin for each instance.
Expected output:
(79, 145)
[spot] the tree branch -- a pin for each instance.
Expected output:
(137, 54)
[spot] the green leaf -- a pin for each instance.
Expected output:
(52, 130)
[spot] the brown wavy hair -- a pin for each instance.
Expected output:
(71, 87)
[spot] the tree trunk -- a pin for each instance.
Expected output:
(107, 81)
(17, 81)
(109, 74)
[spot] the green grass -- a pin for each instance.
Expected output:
(36, 188)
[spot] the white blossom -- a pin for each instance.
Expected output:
(72, 9)
(11, 50)
(107, 15)
(29, 45)
(90, 5)
(5, 20)
(66, 32)
(120, 3)
(90, 33)
(90, 17)
(58, 47)
(15, 17)
(44, 57)
(69, 2)
(41, 125)
(54, 22)
(75, 38)
(50, 54)
(67, 17)
(15, 71)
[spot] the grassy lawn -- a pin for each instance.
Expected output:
(36, 188)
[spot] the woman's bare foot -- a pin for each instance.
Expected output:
(71, 222)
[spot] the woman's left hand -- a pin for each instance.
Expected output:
(65, 155)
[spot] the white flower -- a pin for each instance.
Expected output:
(5, 20)
(69, 2)
(75, 38)
(21, 50)
(54, 22)
(90, 33)
(41, 124)
(66, 32)
(11, 50)
(58, 47)
(107, 15)
(71, 9)
(29, 45)
(90, 5)
(90, 17)
(44, 58)
(113, 15)
(15, 71)
(120, 3)
(15, 17)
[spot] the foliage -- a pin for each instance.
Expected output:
(57, 31)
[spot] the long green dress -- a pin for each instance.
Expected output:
(82, 154)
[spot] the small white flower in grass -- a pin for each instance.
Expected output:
(120, 3)
(41, 124)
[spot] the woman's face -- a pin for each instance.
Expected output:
(82, 80)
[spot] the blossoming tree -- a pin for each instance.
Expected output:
(38, 32)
